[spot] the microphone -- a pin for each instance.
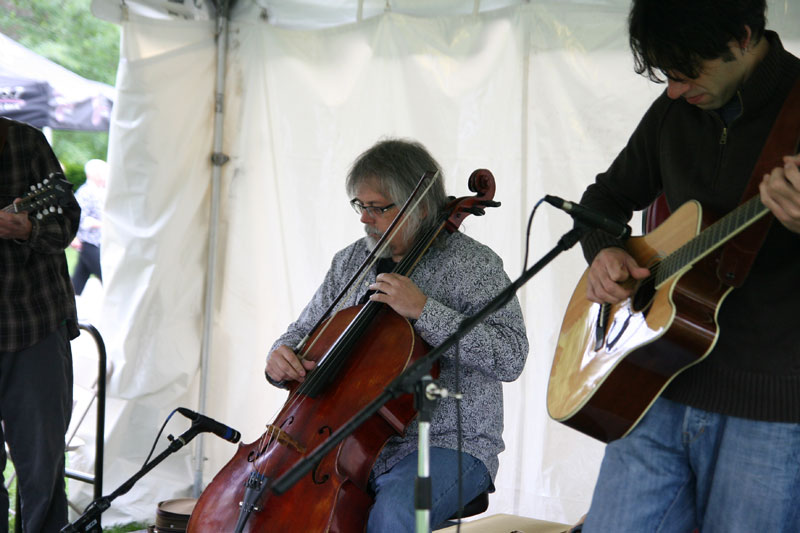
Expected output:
(590, 217)
(209, 425)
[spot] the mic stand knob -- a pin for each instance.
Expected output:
(434, 391)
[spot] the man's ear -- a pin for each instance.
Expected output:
(745, 43)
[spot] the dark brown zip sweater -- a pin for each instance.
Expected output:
(687, 153)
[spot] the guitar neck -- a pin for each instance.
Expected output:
(711, 238)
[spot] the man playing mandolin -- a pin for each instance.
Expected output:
(455, 278)
(37, 320)
(718, 451)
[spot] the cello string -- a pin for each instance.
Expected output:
(365, 271)
(428, 175)
(339, 352)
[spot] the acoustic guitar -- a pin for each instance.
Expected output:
(612, 361)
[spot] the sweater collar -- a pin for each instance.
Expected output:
(760, 87)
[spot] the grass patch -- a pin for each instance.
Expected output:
(135, 526)
(8, 473)
(72, 259)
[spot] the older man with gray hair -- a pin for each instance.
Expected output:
(455, 278)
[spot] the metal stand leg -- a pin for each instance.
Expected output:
(426, 395)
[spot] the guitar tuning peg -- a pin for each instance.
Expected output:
(39, 216)
(33, 187)
(46, 181)
(60, 211)
(52, 209)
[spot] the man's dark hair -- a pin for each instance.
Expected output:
(676, 36)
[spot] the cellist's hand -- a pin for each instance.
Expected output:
(399, 293)
(284, 365)
(607, 274)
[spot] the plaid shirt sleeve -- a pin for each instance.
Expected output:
(36, 294)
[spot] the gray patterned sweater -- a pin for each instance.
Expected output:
(459, 276)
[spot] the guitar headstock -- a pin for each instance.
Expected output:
(46, 197)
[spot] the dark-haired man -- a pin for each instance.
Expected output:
(455, 278)
(718, 451)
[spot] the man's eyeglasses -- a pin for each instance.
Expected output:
(372, 210)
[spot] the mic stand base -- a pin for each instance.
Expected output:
(89, 521)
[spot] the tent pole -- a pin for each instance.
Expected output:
(217, 159)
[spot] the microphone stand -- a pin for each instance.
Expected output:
(409, 381)
(89, 521)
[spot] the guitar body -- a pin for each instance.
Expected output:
(603, 382)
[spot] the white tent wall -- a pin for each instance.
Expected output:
(542, 94)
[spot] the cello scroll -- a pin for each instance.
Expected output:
(481, 182)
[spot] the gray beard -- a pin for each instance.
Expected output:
(372, 241)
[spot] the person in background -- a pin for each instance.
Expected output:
(37, 321)
(90, 196)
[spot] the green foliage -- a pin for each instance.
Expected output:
(75, 148)
(66, 32)
(74, 174)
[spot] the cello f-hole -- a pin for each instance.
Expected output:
(323, 479)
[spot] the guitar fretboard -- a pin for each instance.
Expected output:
(711, 238)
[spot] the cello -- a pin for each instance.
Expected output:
(334, 496)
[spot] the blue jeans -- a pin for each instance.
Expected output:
(683, 469)
(394, 510)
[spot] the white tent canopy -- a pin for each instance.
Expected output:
(541, 93)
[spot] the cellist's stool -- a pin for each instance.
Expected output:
(477, 505)
(506, 523)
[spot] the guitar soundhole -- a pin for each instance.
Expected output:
(643, 295)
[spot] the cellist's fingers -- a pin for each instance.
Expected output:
(400, 293)
(284, 365)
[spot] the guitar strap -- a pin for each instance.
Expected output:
(739, 254)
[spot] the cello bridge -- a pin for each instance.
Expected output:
(284, 438)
